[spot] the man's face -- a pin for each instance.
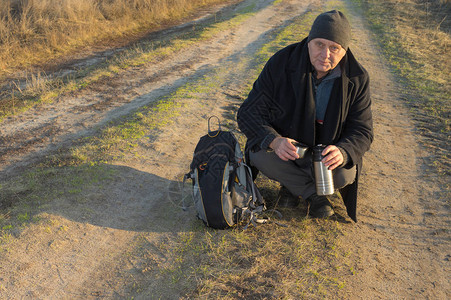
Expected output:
(324, 55)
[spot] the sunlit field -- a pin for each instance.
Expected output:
(35, 31)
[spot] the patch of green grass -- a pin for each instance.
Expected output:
(22, 217)
(7, 227)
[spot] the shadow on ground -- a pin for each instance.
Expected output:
(111, 196)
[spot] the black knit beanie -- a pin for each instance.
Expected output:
(333, 26)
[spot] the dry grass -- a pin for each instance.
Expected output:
(36, 31)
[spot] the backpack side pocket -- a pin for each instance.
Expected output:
(226, 195)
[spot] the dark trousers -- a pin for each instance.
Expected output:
(297, 176)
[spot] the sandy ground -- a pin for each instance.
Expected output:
(400, 246)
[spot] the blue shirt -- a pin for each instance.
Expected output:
(323, 88)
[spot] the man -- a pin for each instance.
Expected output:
(312, 92)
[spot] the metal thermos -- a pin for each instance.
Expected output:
(323, 176)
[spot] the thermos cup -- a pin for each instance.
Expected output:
(323, 176)
(301, 149)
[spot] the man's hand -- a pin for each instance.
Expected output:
(333, 157)
(284, 149)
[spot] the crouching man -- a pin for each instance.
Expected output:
(312, 92)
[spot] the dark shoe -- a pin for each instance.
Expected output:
(319, 206)
(286, 199)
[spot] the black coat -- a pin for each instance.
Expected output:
(281, 103)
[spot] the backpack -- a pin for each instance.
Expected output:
(224, 192)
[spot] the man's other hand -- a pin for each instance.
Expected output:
(333, 157)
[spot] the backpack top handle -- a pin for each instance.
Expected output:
(213, 133)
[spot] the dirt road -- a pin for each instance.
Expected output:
(401, 245)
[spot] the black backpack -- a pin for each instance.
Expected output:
(224, 192)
